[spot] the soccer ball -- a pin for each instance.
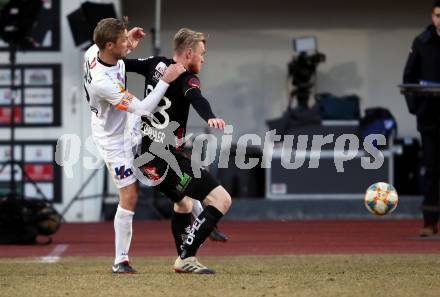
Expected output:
(381, 199)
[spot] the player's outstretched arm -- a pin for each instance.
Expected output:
(173, 72)
(201, 105)
(131, 104)
(140, 66)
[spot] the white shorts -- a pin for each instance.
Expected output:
(119, 162)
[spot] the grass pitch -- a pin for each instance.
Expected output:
(370, 275)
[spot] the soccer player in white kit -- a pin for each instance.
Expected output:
(111, 105)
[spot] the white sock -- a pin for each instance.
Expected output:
(197, 208)
(123, 231)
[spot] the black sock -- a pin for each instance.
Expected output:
(179, 223)
(200, 230)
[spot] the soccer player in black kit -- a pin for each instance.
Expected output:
(189, 50)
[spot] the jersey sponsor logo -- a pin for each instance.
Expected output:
(122, 173)
(184, 236)
(184, 181)
(194, 82)
(151, 173)
(159, 71)
(196, 226)
(154, 134)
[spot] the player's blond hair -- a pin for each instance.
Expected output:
(187, 38)
(109, 30)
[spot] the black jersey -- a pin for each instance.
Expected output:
(174, 106)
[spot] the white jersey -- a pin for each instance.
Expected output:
(105, 89)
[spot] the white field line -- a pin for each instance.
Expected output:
(55, 255)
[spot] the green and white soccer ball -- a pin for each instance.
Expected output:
(381, 199)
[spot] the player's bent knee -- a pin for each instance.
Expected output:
(184, 205)
(128, 202)
(128, 197)
(227, 201)
(220, 199)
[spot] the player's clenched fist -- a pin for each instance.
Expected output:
(173, 71)
(216, 123)
(134, 37)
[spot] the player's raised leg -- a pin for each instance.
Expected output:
(217, 202)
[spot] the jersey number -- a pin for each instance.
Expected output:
(161, 110)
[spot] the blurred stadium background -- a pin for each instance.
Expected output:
(247, 78)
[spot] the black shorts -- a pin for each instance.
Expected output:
(175, 187)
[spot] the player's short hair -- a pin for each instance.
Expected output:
(187, 38)
(436, 5)
(109, 30)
